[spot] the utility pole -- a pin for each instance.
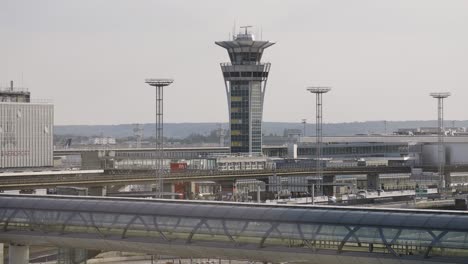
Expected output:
(304, 122)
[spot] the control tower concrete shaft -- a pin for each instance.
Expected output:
(245, 79)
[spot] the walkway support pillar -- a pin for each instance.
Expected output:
(18, 254)
(328, 181)
(1, 253)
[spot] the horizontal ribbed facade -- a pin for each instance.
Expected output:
(26, 135)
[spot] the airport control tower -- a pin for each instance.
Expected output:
(245, 78)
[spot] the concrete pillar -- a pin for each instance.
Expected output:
(292, 151)
(1, 253)
(173, 190)
(18, 254)
(258, 194)
(328, 190)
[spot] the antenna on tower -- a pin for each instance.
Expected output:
(234, 30)
(245, 28)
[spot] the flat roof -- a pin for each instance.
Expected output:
(50, 172)
(385, 139)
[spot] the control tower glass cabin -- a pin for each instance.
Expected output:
(245, 79)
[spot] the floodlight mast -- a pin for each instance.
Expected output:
(159, 84)
(441, 135)
(304, 123)
(318, 91)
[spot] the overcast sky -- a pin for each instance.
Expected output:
(382, 58)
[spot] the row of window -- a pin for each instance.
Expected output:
(244, 116)
(243, 127)
(237, 143)
(240, 92)
(246, 74)
(242, 149)
(245, 57)
(243, 104)
(240, 110)
(167, 154)
(240, 138)
(354, 150)
(239, 132)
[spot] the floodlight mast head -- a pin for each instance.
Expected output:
(440, 95)
(319, 89)
(159, 82)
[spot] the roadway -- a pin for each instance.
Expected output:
(260, 232)
(38, 180)
(51, 179)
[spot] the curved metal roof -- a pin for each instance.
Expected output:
(330, 215)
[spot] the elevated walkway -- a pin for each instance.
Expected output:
(275, 233)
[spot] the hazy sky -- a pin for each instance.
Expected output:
(382, 58)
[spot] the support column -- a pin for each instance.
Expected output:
(18, 254)
(447, 179)
(1, 253)
(173, 190)
(328, 181)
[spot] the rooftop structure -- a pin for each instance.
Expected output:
(12, 94)
(245, 79)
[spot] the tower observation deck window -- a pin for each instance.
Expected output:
(245, 57)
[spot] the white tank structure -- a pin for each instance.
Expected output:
(245, 79)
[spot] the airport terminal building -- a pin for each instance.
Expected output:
(26, 130)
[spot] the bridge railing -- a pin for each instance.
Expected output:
(330, 170)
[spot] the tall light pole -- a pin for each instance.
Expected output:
(441, 148)
(304, 122)
(159, 84)
(318, 91)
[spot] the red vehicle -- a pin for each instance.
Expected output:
(178, 166)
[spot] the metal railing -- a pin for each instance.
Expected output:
(244, 63)
(14, 90)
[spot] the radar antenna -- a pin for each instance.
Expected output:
(245, 28)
